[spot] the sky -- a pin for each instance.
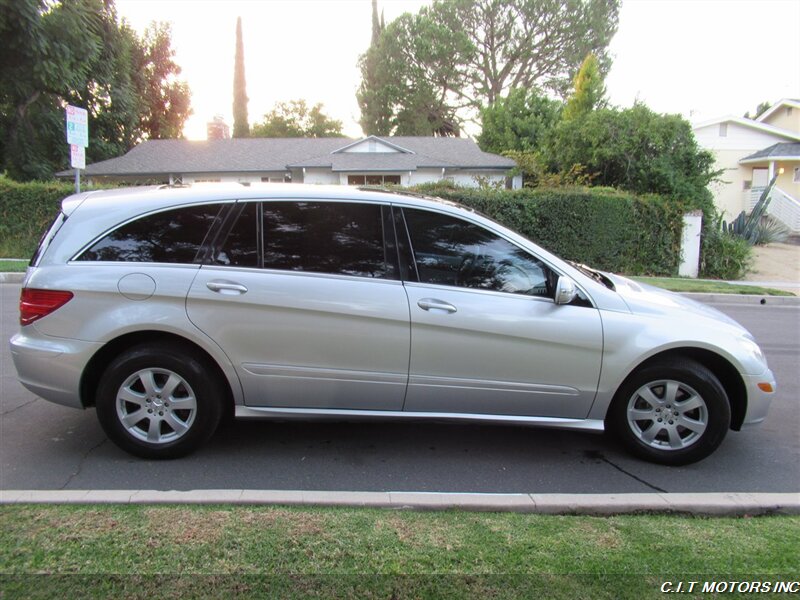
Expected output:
(699, 58)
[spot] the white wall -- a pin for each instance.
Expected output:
(320, 176)
(371, 146)
(327, 177)
(465, 178)
(740, 141)
(233, 177)
(738, 137)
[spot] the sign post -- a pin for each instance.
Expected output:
(78, 139)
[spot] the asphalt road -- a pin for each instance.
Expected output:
(45, 446)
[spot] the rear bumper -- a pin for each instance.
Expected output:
(758, 401)
(51, 367)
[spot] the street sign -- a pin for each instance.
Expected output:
(77, 126)
(77, 156)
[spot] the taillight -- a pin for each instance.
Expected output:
(35, 304)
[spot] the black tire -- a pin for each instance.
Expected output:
(665, 394)
(132, 387)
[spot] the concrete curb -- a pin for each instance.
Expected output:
(751, 299)
(11, 277)
(716, 504)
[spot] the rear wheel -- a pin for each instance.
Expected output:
(673, 412)
(159, 401)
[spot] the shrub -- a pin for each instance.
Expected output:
(602, 227)
(25, 210)
(724, 255)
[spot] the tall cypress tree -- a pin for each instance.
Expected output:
(374, 113)
(240, 126)
(589, 93)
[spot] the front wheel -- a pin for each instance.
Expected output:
(159, 401)
(673, 412)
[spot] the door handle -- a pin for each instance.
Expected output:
(434, 304)
(226, 287)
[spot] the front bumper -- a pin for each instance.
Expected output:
(51, 367)
(758, 400)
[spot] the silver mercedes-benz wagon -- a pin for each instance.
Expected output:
(168, 308)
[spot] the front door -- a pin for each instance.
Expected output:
(486, 335)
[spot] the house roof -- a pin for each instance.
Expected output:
(155, 157)
(785, 151)
(782, 102)
(751, 124)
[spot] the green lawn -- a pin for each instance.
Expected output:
(186, 552)
(13, 266)
(680, 284)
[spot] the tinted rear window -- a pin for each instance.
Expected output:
(340, 238)
(172, 236)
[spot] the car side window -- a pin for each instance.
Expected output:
(171, 236)
(340, 238)
(450, 251)
(239, 247)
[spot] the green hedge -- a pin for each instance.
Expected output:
(605, 228)
(25, 210)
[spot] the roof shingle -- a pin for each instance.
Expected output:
(277, 154)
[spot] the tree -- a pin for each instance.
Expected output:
(760, 110)
(166, 101)
(78, 53)
(47, 53)
(417, 78)
(375, 115)
(519, 122)
(295, 119)
(589, 92)
(457, 55)
(637, 150)
(241, 127)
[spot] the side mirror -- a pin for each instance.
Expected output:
(565, 290)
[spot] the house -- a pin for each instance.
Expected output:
(372, 160)
(750, 152)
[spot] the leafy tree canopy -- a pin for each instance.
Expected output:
(77, 52)
(430, 71)
(589, 91)
(635, 149)
(295, 119)
(521, 121)
(760, 110)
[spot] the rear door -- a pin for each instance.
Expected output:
(305, 299)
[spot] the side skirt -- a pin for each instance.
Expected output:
(262, 412)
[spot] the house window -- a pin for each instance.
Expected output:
(796, 177)
(723, 130)
(208, 180)
(373, 180)
(273, 179)
(788, 111)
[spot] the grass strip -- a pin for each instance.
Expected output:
(13, 266)
(188, 551)
(680, 284)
